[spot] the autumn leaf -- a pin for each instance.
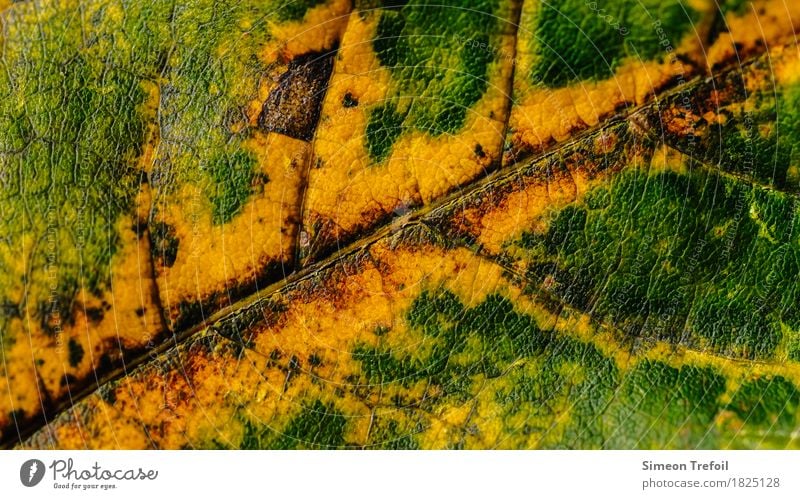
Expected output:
(399, 225)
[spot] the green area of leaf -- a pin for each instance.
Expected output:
(576, 40)
(695, 258)
(439, 57)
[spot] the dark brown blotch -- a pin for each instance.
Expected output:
(293, 107)
(164, 243)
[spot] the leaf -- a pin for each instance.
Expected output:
(398, 225)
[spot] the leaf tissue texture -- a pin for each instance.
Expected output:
(337, 224)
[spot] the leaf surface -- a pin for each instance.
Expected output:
(325, 224)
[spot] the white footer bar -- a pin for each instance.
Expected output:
(371, 474)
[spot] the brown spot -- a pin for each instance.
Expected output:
(164, 243)
(605, 142)
(293, 107)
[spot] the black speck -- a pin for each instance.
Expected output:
(75, 352)
(108, 395)
(68, 379)
(349, 100)
(94, 314)
(106, 364)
